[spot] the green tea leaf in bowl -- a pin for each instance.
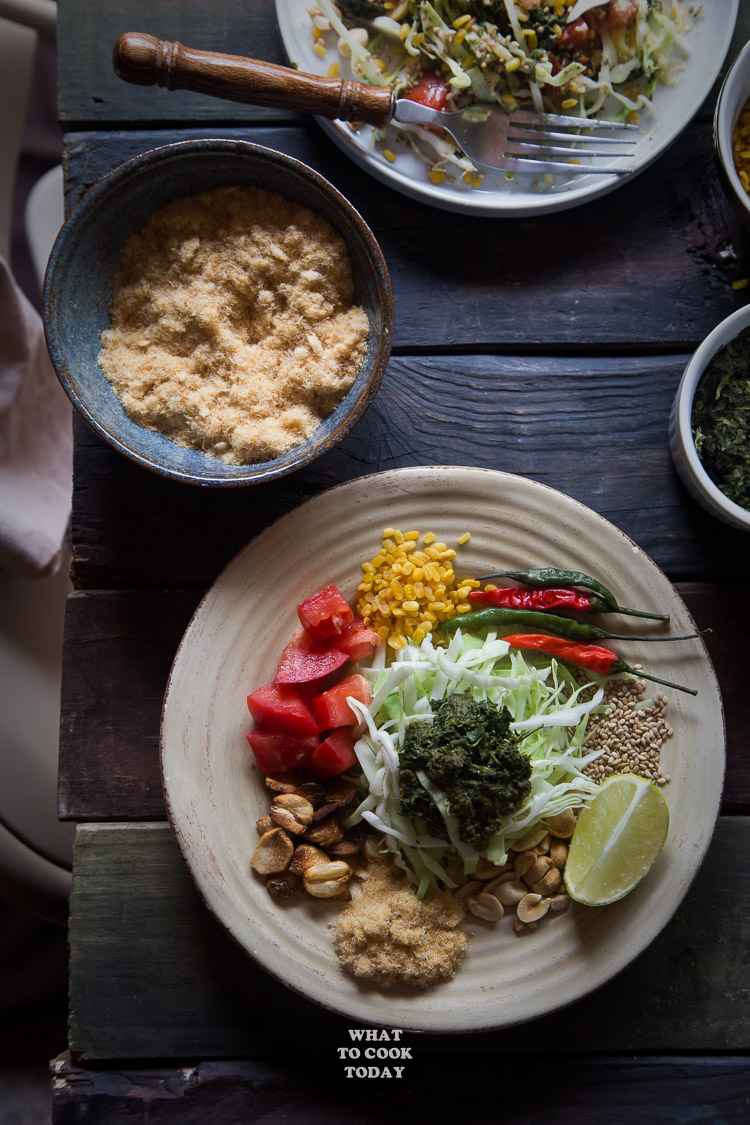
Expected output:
(721, 419)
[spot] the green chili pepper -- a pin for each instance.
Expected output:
(543, 577)
(537, 619)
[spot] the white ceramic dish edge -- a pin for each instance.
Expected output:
(684, 454)
(711, 40)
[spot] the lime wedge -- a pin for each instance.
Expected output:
(617, 839)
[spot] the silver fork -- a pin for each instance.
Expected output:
(524, 141)
(518, 142)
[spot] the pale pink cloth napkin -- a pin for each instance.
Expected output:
(36, 441)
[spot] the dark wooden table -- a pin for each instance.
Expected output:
(550, 347)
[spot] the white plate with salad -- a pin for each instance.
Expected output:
(660, 80)
(215, 792)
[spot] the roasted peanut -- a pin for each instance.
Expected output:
(558, 853)
(327, 880)
(325, 833)
(487, 870)
(507, 876)
(273, 853)
(531, 908)
(530, 839)
(283, 886)
(549, 884)
(283, 782)
(313, 792)
(292, 812)
(523, 927)
(511, 892)
(306, 855)
(537, 870)
(485, 906)
(523, 862)
(467, 890)
(349, 846)
(339, 792)
(561, 825)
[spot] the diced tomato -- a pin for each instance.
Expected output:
(276, 752)
(358, 641)
(325, 614)
(431, 90)
(279, 707)
(332, 710)
(335, 754)
(575, 36)
(611, 16)
(304, 660)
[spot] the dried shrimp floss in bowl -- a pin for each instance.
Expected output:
(218, 312)
(233, 327)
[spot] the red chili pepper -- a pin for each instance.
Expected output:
(516, 597)
(593, 657)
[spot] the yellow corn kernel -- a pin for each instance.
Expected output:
(459, 38)
(569, 103)
(461, 21)
(513, 65)
(333, 70)
(319, 49)
(428, 538)
(464, 538)
(390, 155)
(437, 176)
(741, 284)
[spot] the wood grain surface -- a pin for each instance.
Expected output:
(181, 988)
(550, 347)
(587, 1091)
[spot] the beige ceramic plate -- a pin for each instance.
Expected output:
(214, 792)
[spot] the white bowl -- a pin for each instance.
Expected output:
(686, 459)
(733, 95)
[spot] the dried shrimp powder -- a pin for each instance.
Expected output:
(389, 936)
(233, 328)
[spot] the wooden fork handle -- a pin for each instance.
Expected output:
(147, 61)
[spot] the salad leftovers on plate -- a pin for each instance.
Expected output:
(429, 768)
(578, 57)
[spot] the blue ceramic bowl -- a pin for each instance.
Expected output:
(85, 257)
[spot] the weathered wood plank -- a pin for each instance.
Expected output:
(659, 276)
(594, 428)
(87, 31)
(154, 976)
(586, 1091)
(119, 646)
(90, 91)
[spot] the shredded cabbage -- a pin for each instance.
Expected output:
(504, 52)
(548, 707)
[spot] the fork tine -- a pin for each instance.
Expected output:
(525, 117)
(542, 167)
(538, 136)
(522, 148)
